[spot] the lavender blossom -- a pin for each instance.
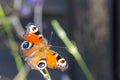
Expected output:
(36, 2)
(25, 10)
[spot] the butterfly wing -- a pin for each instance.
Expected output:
(39, 54)
(33, 35)
(33, 54)
(55, 61)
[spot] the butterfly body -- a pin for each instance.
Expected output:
(37, 52)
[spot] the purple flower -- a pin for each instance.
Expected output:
(36, 2)
(25, 10)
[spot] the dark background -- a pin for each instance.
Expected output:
(92, 24)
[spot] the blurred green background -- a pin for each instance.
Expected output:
(89, 23)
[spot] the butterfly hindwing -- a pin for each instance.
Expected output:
(54, 60)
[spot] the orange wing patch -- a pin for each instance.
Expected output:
(51, 59)
(55, 61)
(36, 39)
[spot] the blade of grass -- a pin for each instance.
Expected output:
(72, 48)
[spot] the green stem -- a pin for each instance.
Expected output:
(16, 55)
(72, 49)
(45, 74)
(13, 46)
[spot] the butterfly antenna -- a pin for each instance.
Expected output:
(49, 42)
(50, 38)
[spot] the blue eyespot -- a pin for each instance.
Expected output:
(26, 45)
(41, 64)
